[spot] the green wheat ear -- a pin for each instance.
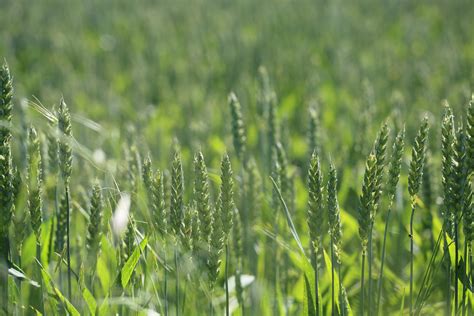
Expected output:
(34, 182)
(202, 199)
(315, 202)
(447, 162)
(176, 197)
(65, 149)
(470, 134)
(94, 229)
(335, 227)
(6, 170)
(418, 159)
(380, 147)
(60, 238)
(314, 137)
(367, 200)
(215, 250)
(395, 165)
(238, 127)
(160, 215)
(226, 199)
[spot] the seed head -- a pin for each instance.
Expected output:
(65, 149)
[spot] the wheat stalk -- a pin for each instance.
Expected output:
(415, 176)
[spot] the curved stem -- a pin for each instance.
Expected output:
(68, 242)
(165, 283)
(411, 256)
(227, 279)
(464, 288)
(456, 260)
(382, 261)
(177, 281)
(362, 283)
(341, 298)
(370, 270)
(333, 305)
(316, 280)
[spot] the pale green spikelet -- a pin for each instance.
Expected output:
(34, 182)
(160, 215)
(94, 228)
(335, 227)
(395, 165)
(202, 199)
(367, 200)
(65, 149)
(315, 202)
(238, 127)
(226, 196)
(415, 174)
(176, 197)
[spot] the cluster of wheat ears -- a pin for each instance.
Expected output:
(190, 239)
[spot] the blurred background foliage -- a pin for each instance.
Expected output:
(167, 66)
